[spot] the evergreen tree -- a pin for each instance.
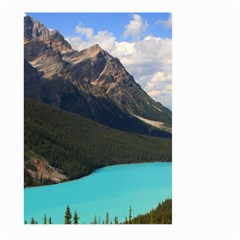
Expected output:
(151, 218)
(75, 218)
(107, 218)
(95, 220)
(33, 221)
(50, 220)
(25, 222)
(68, 215)
(45, 219)
(130, 215)
(115, 220)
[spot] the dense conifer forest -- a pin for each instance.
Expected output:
(162, 214)
(77, 145)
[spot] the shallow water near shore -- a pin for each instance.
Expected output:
(111, 189)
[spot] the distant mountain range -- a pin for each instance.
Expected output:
(91, 83)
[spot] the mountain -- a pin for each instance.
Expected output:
(60, 146)
(91, 83)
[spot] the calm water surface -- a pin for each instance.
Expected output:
(111, 189)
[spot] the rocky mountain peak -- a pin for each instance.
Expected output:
(35, 31)
(96, 47)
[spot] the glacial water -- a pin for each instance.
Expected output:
(111, 189)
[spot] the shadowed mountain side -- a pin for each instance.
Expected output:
(65, 95)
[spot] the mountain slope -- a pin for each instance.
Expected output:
(106, 75)
(65, 95)
(91, 83)
(75, 146)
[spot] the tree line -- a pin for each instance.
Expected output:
(162, 214)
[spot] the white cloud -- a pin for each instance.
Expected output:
(149, 60)
(154, 93)
(87, 32)
(158, 78)
(161, 77)
(136, 27)
(166, 23)
(164, 95)
(168, 89)
(77, 43)
(104, 38)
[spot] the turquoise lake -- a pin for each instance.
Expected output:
(111, 189)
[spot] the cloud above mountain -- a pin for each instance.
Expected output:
(87, 38)
(147, 58)
(136, 27)
(87, 32)
(166, 23)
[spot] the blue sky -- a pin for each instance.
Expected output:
(141, 41)
(113, 22)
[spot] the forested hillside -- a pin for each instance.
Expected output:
(162, 214)
(76, 145)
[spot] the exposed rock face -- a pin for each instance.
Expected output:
(34, 30)
(40, 170)
(90, 82)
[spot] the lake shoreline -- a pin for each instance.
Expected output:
(70, 180)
